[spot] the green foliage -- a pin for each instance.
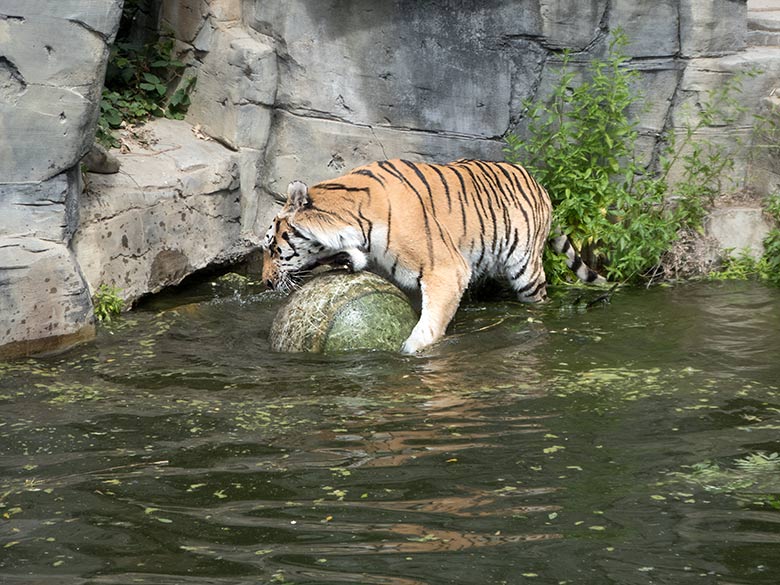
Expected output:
(108, 305)
(140, 82)
(582, 148)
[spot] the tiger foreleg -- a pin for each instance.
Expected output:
(440, 299)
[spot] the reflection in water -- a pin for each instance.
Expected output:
(542, 444)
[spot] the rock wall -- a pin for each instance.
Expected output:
(52, 62)
(308, 90)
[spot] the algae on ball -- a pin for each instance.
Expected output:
(340, 311)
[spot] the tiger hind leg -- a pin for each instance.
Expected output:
(528, 281)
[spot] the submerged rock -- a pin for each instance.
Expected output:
(339, 311)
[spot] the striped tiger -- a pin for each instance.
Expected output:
(428, 227)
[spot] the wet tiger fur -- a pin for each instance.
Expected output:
(430, 227)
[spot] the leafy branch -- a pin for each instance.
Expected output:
(142, 81)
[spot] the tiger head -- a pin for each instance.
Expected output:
(297, 241)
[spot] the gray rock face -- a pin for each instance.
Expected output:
(439, 68)
(52, 60)
(44, 301)
(712, 27)
(233, 102)
(236, 89)
(765, 166)
(50, 83)
(571, 24)
(46, 211)
(651, 32)
(454, 73)
(342, 146)
(172, 210)
(364, 80)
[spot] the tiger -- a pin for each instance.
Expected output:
(430, 228)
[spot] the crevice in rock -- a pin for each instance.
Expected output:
(379, 142)
(15, 84)
(101, 35)
(602, 30)
(660, 144)
(328, 117)
(536, 80)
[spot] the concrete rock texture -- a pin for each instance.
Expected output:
(741, 230)
(44, 301)
(173, 209)
(52, 61)
(448, 74)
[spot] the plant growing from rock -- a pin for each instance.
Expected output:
(581, 146)
(141, 83)
(107, 303)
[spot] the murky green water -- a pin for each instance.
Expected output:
(626, 444)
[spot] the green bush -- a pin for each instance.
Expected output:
(137, 85)
(581, 146)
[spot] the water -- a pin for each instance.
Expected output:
(628, 443)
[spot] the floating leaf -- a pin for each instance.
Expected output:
(553, 449)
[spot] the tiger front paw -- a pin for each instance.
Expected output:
(418, 340)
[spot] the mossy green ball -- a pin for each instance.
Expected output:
(340, 311)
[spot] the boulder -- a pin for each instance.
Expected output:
(173, 209)
(44, 301)
(739, 230)
(52, 62)
(50, 83)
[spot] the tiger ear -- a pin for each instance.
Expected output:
(298, 195)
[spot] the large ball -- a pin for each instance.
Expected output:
(339, 311)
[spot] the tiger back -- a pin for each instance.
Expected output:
(429, 227)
